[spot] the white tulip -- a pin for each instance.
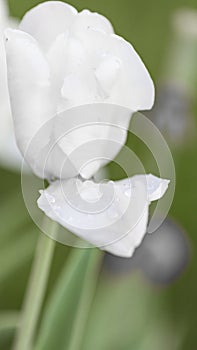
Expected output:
(73, 86)
(60, 59)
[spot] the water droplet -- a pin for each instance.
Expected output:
(112, 212)
(50, 199)
(151, 185)
(70, 220)
(127, 191)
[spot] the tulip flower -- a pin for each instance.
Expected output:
(74, 86)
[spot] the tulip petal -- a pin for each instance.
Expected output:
(156, 186)
(30, 91)
(132, 240)
(119, 69)
(64, 57)
(112, 216)
(72, 76)
(46, 21)
(87, 19)
(9, 154)
(91, 136)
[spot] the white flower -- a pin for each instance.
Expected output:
(112, 216)
(61, 59)
(73, 86)
(9, 154)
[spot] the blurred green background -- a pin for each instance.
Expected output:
(128, 311)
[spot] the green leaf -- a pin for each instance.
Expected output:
(69, 302)
(120, 313)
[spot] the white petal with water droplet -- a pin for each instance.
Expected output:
(115, 222)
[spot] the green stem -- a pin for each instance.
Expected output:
(86, 298)
(36, 288)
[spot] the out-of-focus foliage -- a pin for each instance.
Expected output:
(128, 312)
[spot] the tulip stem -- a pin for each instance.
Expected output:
(86, 298)
(36, 288)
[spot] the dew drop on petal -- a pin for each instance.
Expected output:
(113, 212)
(50, 199)
(127, 192)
